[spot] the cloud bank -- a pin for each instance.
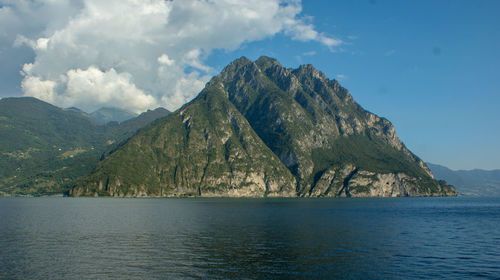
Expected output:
(138, 54)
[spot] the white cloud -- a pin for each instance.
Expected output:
(89, 87)
(298, 29)
(139, 54)
(39, 44)
(341, 77)
(86, 87)
(34, 86)
(164, 59)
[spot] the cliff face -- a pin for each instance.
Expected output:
(259, 129)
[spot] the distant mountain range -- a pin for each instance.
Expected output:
(45, 149)
(259, 129)
(107, 114)
(469, 182)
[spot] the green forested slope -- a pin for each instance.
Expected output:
(45, 149)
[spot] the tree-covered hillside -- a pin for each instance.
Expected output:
(44, 149)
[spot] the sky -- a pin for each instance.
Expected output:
(430, 67)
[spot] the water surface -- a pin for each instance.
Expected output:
(88, 238)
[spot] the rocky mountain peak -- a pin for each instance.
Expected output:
(265, 62)
(309, 127)
(237, 64)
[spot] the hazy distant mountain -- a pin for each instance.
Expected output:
(109, 114)
(44, 149)
(145, 118)
(469, 182)
(259, 129)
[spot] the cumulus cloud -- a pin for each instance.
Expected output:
(34, 86)
(89, 86)
(139, 54)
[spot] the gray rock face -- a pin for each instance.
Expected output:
(259, 129)
(352, 182)
(298, 111)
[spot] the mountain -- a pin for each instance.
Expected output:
(259, 129)
(143, 119)
(122, 131)
(109, 114)
(127, 128)
(45, 149)
(470, 182)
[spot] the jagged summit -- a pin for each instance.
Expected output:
(260, 129)
(265, 62)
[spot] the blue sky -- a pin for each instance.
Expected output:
(430, 67)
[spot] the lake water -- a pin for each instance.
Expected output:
(88, 238)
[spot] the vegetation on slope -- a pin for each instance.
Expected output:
(45, 149)
(205, 148)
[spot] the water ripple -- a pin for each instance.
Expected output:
(427, 238)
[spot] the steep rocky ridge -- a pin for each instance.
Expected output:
(307, 127)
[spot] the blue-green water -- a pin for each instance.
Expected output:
(67, 238)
